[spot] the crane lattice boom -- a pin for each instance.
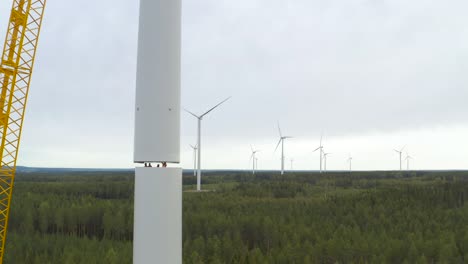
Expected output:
(16, 67)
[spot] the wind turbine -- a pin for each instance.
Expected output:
(253, 158)
(399, 153)
(194, 159)
(325, 155)
(350, 160)
(321, 152)
(200, 118)
(281, 141)
(256, 163)
(408, 157)
(292, 161)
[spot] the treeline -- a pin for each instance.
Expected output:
(401, 224)
(366, 217)
(71, 218)
(58, 249)
(94, 210)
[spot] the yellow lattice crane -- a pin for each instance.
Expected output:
(16, 67)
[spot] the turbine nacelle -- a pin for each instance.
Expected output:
(253, 153)
(399, 151)
(408, 156)
(211, 109)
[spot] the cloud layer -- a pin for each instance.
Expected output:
(346, 68)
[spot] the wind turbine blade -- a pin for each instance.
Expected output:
(251, 148)
(191, 113)
(321, 137)
(316, 149)
(288, 137)
(215, 106)
(278, 144)
(397, 151)
(279, 130)
(403, 148)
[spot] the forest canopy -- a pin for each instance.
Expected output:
(363, 217)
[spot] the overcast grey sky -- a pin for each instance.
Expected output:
(371, 75)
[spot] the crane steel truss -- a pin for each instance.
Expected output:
(16, 67)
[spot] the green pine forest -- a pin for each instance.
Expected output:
(359, 217)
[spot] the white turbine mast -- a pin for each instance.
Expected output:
(408, 158)
(320, 152)
(194, 159)
(200, 118)
(253, 158)
(399, 153)
(325, 155)
(281, 141)
(350, 161)
(157, 211)
(292, 162)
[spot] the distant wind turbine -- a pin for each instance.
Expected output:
(350, 161)
(256, 163)
(292, 161)
(408, 157)
(281, 141)
(325, 155)
(320, 152)
(200, 117)
(399, 153)
(253, 158)
(194, 159)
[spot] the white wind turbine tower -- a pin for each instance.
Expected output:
(281, 141)
(253, 158)
(399, 153)
(350, 161)
(200, 118)
(194, 159)
(321, 152)
(292, 161)
(157, 211)
(408, 157)
(256, 163)
(325, 155)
